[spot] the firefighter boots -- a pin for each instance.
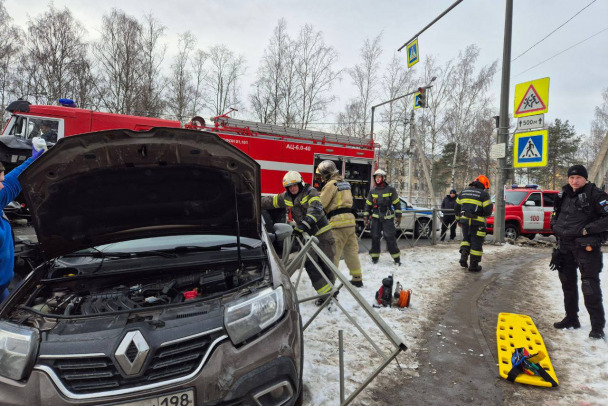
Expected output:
(474, 267)
(597, 333)
(358, 284)
(375, 260)
(464, 256)
(398, 261)
(567, 322)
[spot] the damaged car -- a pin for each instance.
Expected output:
(159, 284)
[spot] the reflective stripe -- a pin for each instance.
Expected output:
(355, 272)
(396, 255)
(275, 201)
(315, 199)
(487, 203)
(479, 218)
(374, 195)
(347, 222)
(368, 203)
(312, 217)
(387, 195)
(396, 201)
(375, 216)
(304, 199)
(471, 201)
(366, 213)
(476, 253)
(465, 244)
(288, 203)
(325, 289)
(481, 234)
(374, 255)
(390, 216)
(324, 229)
(398, 211)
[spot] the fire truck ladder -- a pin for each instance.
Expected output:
(280, 132)
(398, 345)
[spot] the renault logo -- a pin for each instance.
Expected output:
(132, 352)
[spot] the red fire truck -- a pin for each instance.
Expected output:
(277, 149)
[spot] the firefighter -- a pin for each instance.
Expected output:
(305, 205)
(384, 207)
(337, 200)
(473, 205)
(580, 222)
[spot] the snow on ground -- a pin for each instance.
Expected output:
(431, 272)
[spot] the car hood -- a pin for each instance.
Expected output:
(118, 185)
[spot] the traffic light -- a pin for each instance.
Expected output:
(422, 97)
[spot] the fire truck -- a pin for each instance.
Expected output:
(277, 149)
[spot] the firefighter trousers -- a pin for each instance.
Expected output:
(574, 255)
(327, 244)
(384, 227)
(347, 244)
(473, 236)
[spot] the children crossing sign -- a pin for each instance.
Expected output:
(413, 54)
(530, 149)
(531, 98)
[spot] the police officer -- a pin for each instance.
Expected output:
(385, 207)
(449, 218)
(473, 205)
(305, 204)
(580, 221)
(337, 201)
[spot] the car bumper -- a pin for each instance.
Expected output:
(231, 375)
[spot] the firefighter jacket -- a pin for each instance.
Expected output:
(337, 201)
(473, 204)
(305, 207)
(586, 208)
(383, 202)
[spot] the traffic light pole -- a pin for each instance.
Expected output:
(503, 128)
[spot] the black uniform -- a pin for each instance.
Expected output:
(449, 218)
(384, 206)
(586, 208)
(472, 207)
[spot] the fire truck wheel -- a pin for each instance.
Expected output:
(530, 236)
(511, 231)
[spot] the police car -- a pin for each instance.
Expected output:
(528, 211)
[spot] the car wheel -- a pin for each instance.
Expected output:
(530, 236)
(422, 228)
(511, 231)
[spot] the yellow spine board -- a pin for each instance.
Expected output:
(517, 331)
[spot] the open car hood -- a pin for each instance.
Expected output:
(118, 185)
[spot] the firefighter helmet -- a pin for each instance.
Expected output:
(483, 179)
(327, 169)
(380, 172)
(291, 178)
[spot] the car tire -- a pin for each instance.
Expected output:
(511, 231)
(422, 228)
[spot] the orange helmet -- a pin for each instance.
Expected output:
(483, 179)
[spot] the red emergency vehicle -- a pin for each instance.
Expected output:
(528, 211)
(277, 149)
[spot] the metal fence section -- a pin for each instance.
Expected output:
(296, 263)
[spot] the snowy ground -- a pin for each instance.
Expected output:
(581, 364)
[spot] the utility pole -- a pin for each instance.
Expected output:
(503, 128)
(409, 163)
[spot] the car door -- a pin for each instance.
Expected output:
(533, 213)
(548, 203)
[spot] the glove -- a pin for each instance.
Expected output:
(556, 261)
(38, 147)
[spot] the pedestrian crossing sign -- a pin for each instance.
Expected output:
(531, 98)
(530, 149)
(417, 101)
(413, 53)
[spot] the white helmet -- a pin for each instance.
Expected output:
(327, 169)
(291, 178)
(380, 172)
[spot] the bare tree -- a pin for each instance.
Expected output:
(55, 53)
(315, 75)
(150, 103)
(119, 58)
(223, 79)
(10, 44)
(199, 76)
(180, 88)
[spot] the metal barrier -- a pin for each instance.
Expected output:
(297, 262)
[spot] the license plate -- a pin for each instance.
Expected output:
(185, 398)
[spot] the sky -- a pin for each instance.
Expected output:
(580, 363)
(577, 76)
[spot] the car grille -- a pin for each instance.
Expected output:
(99, 374)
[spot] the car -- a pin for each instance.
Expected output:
(528, 210)
(159, 284)
(416, 220)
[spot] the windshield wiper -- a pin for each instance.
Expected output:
(195, 248)
(109, 254)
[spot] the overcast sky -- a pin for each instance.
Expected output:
(577, 75)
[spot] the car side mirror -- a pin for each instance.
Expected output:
(529, 203)
(282, 231)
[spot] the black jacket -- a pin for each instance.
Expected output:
(383, 202)
(474, 204)
(586, 208)
(448, 203)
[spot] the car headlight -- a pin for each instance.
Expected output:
(252, 314)
(18, 349)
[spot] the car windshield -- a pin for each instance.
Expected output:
(171, 242)
(515, 197)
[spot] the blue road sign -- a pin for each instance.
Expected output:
(413, 53)
(417, 101)
(530, 149)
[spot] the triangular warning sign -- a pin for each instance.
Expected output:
(413, 53)
(531, 102)
(530, 150)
